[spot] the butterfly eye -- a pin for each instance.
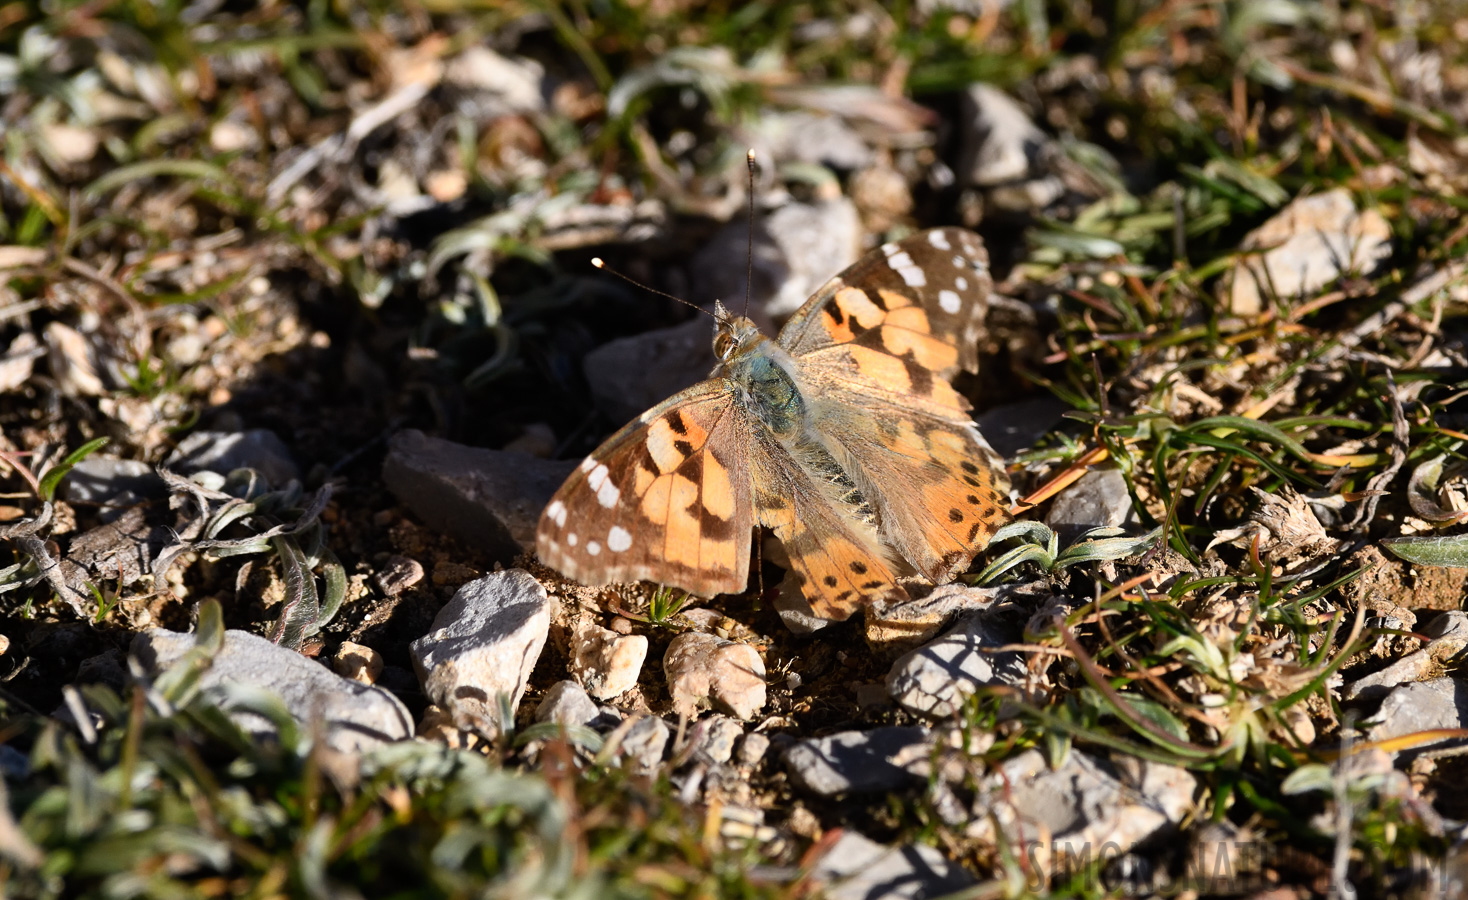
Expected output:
(723, 345)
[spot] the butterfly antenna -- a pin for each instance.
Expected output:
(749, 252)
(601, 264)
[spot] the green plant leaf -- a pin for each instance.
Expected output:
(53, 476)
(1430, 550)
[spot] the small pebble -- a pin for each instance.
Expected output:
(705, 670)
(358, 662)
(398, 574)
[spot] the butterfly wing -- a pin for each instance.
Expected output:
(837, 560)
(665, 499)
(876, 347)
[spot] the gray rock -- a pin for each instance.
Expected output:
(1098, 499)
(644, 741)
(858, 868)
(1000, 143)
(72, 357)
(858, 762)
(113, 483)
(484, 643)
(1449, 633)
(19, 360)
(810, 138)
(752, 749)
(224, 451)
(1423, 706)
(907, 624)
(511, 84)
(705, 670)
(489, 499)
(1306, 245)
(567, 703)
(354, 716)
(1085, 804)
(624, 386)
(797, 248)
(1019, 426)
(794, 610)
(936, 679)
(714, 738)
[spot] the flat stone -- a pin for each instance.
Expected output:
(490, 499)
(797, 248)
(705, 670)
(858, 868)
(795, 611)
(1018, 426)
(1098, 499)
(1000, 143)
(936, 679)
(624, 386)
(1449, 633)
(858, 762)
(810, 138)
(606, 662)
(354, 716)
(483, 645)
(908, 623)
(111, 483)
(1308, 244)
(567, 703)
(224, 451)
(1423, 706)
(1055, 815)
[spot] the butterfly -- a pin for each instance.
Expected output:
(842, 436)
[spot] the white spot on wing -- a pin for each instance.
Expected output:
(592, 548)
(961, 283)
(618, 539)
(588, 464)
(958, 262)
(596, 478)
(556, 512)
(608, 494)
(948, 301)
(889, 248)
(937, 239)
(571, 539)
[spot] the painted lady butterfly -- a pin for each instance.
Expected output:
(842, 436)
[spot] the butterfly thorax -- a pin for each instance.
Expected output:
(765, 382)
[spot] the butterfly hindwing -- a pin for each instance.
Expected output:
(666, 499)
(837, 559)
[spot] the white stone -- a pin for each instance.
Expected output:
(606, 662)
(704, 670)
(1305, 246)
(483, 645)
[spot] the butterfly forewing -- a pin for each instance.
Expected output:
(921, 301)
(666, 499)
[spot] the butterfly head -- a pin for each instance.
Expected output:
(733, 335)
